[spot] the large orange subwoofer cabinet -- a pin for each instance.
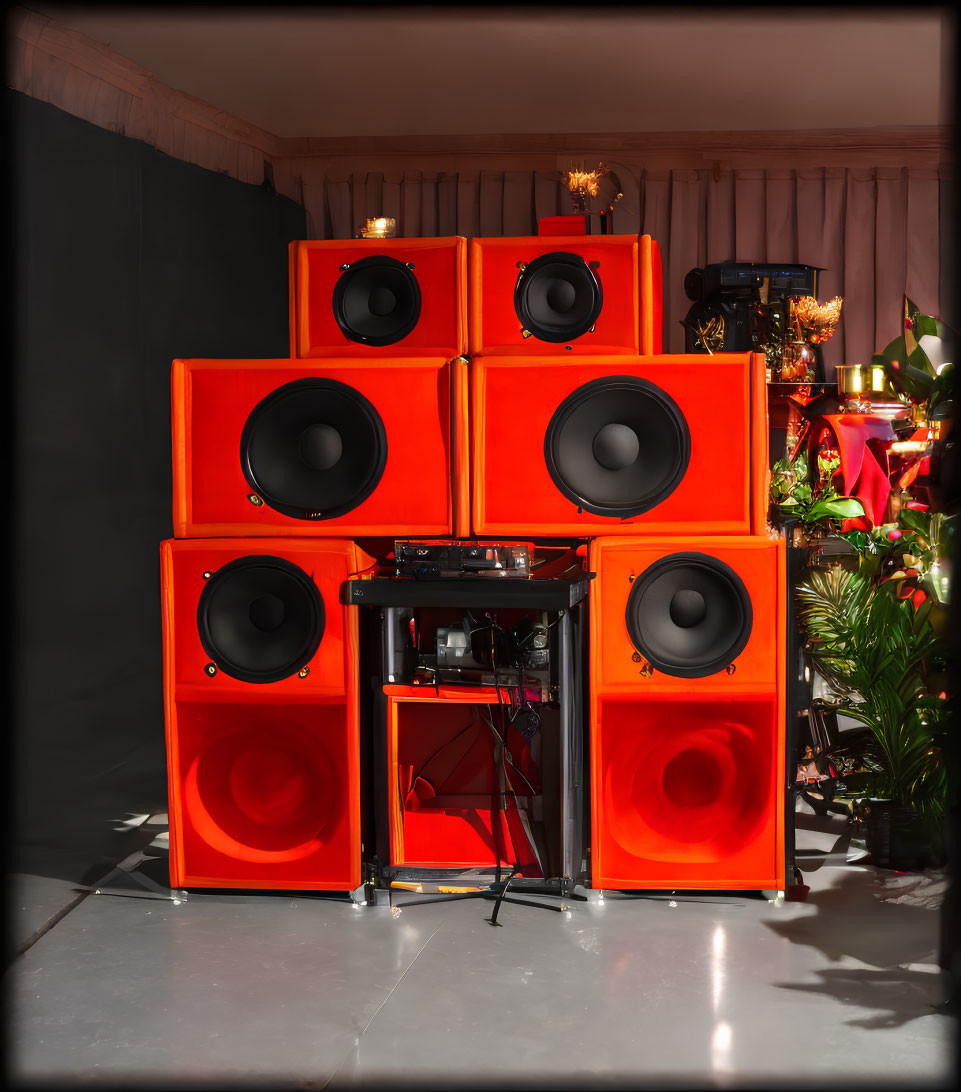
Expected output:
(261, 700)
(687, 662)
(618, 445)
(570, 295)
(372, 298)
(338, 447)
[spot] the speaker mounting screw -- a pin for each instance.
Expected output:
(631, 578)
(211, 669)
(525, 333)
(303, 672)
(647, 670)
(636, 657)
(410, 265)
(345, 267)
(730, 669)
(522, 266)
(254, 500)
(569, 348)
(208, 575)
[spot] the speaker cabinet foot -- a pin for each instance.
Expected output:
(776, 897)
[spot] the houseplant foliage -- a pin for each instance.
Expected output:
(885, 659)
(811, 498)
(876, 627)
(914, 361)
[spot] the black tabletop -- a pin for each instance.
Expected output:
(555, 592)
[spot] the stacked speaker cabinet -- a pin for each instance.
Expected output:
(577, 295)
(618, 445)
(374, 298)
(260, 691)
(687, 712)
(278, 465)
(336, 447)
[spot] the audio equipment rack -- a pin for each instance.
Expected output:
(558, 586)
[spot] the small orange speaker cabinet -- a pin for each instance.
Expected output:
(375, 298)
(260, 693)
(687, 670)
(443, 781)
(618, 445)
(327, 447)
(564, 295)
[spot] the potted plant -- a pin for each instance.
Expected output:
(884, 658)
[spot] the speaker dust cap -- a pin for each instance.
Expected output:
(313, 449)
(689, 614)
(617, 446)
(557, 297)
(260, 618)
(377, 300)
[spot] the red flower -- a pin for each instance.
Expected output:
(893, 536)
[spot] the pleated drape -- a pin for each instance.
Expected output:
(877, 234)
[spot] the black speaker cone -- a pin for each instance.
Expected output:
(558, 297)
(617, 446)
(377, 300)
(260, 618)
(689, 615)
(313, 449)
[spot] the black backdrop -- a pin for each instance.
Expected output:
(123, 259)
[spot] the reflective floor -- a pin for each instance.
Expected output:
(129, 987)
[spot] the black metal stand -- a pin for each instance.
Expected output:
(497, 892)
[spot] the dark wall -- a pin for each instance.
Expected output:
(124, 259)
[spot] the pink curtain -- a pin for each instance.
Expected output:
(878, 234)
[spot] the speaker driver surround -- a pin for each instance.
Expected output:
(377, 300)
(313, 449)
(617, 446)
(260, 618)
(558, 297)
(689, 614)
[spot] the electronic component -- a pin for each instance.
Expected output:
(425, 559)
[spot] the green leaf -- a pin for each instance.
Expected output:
(895, 350)
(860, 540)
(924, 324)
(842, 507)
(918, 360)
(918, 522)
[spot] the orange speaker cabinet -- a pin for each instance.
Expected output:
(260, 694)
(442, 782)
(375, 298)
(327, 448)
(687, 734)
(564, 295)
(619, 445)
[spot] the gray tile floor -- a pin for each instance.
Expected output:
(128, 987)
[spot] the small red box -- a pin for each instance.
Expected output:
(564, 225)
